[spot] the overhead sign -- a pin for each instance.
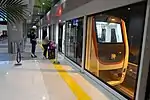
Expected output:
(59, 11)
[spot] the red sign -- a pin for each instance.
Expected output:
(48, 17)
(59, 11)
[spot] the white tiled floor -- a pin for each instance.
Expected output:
(4, 46)
(22, 83)
(37, 79)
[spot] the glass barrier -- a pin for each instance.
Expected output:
(113, 46)
(74, 39)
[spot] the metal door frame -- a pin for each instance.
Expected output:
(145, 58)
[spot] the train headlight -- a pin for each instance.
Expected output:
(113, 19)
(113, 56)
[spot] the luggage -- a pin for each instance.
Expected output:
(51, 53)
(51, 50)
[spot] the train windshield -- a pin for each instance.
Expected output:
(109, 32)
(108, 29)
(110, 40)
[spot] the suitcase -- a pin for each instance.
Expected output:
(51, 54)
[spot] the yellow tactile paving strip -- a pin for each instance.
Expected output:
(72, 84)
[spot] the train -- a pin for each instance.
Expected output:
(107, 49)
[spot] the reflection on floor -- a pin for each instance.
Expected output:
(38, 79)
(4, 46)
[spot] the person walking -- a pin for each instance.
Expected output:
(45, 43)
(33, 41)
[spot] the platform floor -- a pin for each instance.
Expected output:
(38, 79)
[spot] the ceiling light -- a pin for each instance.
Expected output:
(38, 13)
(129, 8)
(63, 0)
(43, 3)
(113, 19)
(56, 5)
(29, 15)
(44, 98)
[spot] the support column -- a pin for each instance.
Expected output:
(15, 34)
(84, 43)
(56, 32)
(48, 31)
(40, 28)
(24, 36)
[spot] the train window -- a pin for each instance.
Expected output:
(113, 47)
(109, 32)
(106, 57)
(73, 40)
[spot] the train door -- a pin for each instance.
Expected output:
(60, 37)
(73, 41)
(49, 32)
(79, 41)
(44, 29)
(67, 38)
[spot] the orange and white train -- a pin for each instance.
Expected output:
(107, 49)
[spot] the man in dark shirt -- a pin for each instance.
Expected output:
(33, 41)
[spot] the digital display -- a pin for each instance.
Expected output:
(75, 22)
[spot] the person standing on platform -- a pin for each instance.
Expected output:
(45, 43)
(33, 41)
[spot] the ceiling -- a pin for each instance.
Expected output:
(41, 7)
(39, 10)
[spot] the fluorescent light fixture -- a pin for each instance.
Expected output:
(34, 27)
